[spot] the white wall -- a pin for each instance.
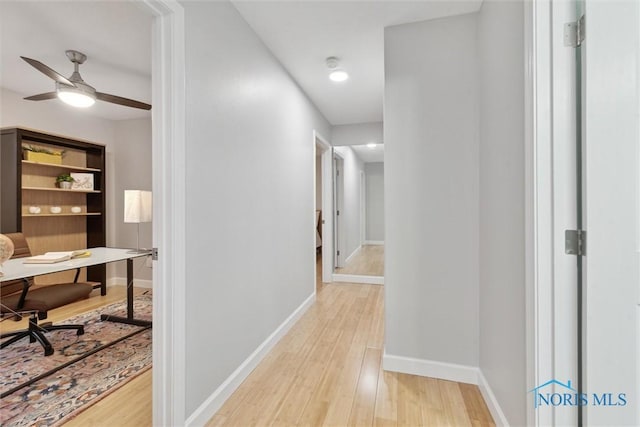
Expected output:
(374, 177)
(502, 205)
(250, 203)
(132, 150)
(431, 191)
(351, 207)
(357, 134)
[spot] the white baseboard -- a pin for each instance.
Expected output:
(122, 281)
(354, 253)
(215, 401)
(491, 401)
(373, 242)
(356, 278)
(450, 372)
(430, 368)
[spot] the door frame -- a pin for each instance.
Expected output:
(550, 275)
(338, 204)
(363, 206)
(327, 206)
(169, 215)
(538, 204)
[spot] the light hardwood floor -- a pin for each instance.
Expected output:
(325, 371)
(369, 261)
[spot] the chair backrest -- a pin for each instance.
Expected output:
(20, 245)
(21, 250)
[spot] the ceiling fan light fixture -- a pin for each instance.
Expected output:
(336, 74)
(75, 97)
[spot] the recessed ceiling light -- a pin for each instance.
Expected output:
(372, 145)
(336, 73)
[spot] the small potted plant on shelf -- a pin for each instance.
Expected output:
(64, 181)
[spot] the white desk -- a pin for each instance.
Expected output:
(16, 269)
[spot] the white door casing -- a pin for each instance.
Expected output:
(338, 211)
(327, 207)
(169, 271)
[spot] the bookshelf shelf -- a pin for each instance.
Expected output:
(56, 166)
(61, 214)
(60, 189)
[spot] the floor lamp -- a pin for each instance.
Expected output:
(137, 209)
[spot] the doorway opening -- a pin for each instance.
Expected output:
(323, 205)
(359, 213)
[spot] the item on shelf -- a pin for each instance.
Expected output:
(6, 250)
(82, 181)
(34, 209)
(64, 180)
(55, 209)
(42, 155)
(76, 209)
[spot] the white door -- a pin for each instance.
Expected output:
(612, 208)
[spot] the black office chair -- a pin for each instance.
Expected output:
(17, 300)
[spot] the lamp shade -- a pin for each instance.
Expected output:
(137, 206)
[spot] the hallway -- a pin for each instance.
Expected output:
(327, 371)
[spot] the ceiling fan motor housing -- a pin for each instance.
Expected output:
(76, 57)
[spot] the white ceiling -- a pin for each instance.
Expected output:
(116, 37)
(302, 34)
(369, 155)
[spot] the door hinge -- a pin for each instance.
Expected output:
(338, 253)
(575, 242)
(337, 213)
(574, 33)
(154, 254)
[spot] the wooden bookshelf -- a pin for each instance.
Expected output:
(27, 183)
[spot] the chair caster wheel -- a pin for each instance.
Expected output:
(48, 351)
(80, 331)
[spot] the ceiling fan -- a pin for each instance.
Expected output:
(74, 90)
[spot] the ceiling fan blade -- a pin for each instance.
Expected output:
(122, 101)
(48, 71)
(42, 96)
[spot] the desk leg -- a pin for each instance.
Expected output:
(130, 320)
(130, 288)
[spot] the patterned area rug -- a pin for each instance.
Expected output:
(62, 395)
